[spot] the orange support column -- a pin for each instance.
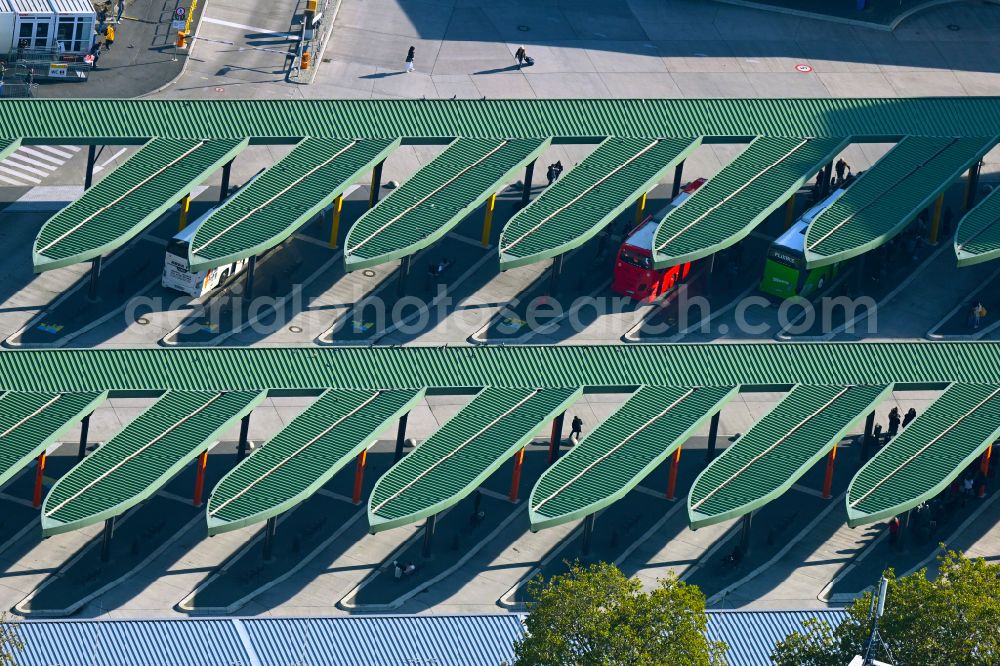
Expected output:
(984, 462)
(199, 480)
(828, 480)
(39, 474)
(359, 476)
(675, 461)
(515, 481)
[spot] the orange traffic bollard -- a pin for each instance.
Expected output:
(306, 59)
(181, 39)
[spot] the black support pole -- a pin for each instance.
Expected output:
(241, 452)
(269, 529)
(251, 269)
(109, 531)
(400, 437)
(226, 170)
(678, 175)
(745, 533)
(866, 443)
(425, 552)
(557, 266)
(91, 158)
(973, 184)
(556, 437)
(713, 435)
(376, 184)
(95, 276)
(710, 273)
(404, 271)
(84, 430)
(588, 533)
(827, 176)
(859, 276)
(529, 173)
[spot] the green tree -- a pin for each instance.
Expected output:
(953, 619)
(10, 642)
(597, 616)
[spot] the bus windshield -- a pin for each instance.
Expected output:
(635, 259)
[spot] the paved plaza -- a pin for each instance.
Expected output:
(804, 554)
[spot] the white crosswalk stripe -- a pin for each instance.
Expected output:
(28, 165)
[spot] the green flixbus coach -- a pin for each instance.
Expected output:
(785, 273)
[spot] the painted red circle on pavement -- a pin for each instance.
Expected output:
(803, 68)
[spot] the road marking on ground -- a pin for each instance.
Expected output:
(108, 161)
(240, 26)
(28, 165)
(807, 490)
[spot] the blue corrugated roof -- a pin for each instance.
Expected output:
(377, 640)
(751, 635)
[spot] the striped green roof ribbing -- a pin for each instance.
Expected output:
(30, 422)
(978, 236)
(621, 451)
(283, 198)
(303, 456)
(436, 198)
(923, 459)
(777, 450)
(740, 196)
(459, 456)
(889, 196)
(129, 199)
(133, 464)
(588, 198)
(597, 366)
(289, 120)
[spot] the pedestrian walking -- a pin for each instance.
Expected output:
(576, 430)
(894, 529)
(842, 168)
(911, 414)
(96, 56)
(409, 59)
(893, 423)
(550, 173)
(519, 54)
(109, 37)
(877, 436)
(977, 314)
(121, 11)
(559, 169)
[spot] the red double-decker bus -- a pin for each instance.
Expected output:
(634, 275)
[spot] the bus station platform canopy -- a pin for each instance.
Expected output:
(436, 198)
(576, 207)
(304, 455)
(284, 197)
(978, 236)
(129, 199)
(927, 455)
(778, 449)
(456, 459)
(734, 201)
(670, 390)
(136, 462)
(621, 451)
(30, 422)
(889, 196)
(181, 140)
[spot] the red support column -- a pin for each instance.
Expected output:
(675, 461)
(39, 474)
(359, 476)
(984, 462)
(199, 480)
(515, 481)
(828, 480)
